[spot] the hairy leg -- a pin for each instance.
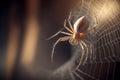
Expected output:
(86, 52)
(69, 19)
(95, 25)
(82, 56)
(90, 46)
(59, 33)
(67, 27)
(59, 40)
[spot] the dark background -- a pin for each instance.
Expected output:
(51, 15)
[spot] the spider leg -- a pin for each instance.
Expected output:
(59, 40)
(59, 33)
(86, 52)
(67, 27)
(69, 19)
(95, 25)
(90, 45)
(83, 51)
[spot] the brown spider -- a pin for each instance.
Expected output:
(75, 36)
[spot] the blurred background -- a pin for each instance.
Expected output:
(24, 27)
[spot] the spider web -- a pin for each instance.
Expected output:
(105, 40)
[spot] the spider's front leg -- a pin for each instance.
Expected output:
(59, 40)
(70, 30)
(69, 21)
(59, 33)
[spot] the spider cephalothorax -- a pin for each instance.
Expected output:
(76, 36)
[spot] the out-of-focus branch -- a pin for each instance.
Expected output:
(31, 33)
(13, 41)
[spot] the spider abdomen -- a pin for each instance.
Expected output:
(81, 24)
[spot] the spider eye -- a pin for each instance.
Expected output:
(73, 41)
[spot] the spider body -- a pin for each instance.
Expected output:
(78, 27)
(76, 36)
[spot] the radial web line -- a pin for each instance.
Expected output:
(108, 28)
(114, 41)
(80, 10)
(81, 5)
(108, 71)
(113, 71)
(86, 74)
(107, 34)
(102, 26)
(78, 76)
(113, 50)
(105, 54)
(87, 6)
(99, 57)
(110, 49)
(110, 42)
(108, 22)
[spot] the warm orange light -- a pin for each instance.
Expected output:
(31, 33)
(107, 10)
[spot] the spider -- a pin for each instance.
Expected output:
(75, 35)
